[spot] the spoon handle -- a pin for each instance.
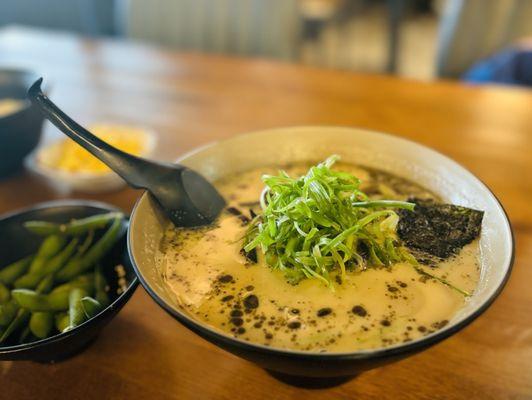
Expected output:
(132, 169)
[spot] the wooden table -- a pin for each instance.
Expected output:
(194, 99)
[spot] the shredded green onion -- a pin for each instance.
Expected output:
(321, 225)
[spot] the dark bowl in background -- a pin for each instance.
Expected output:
(17, 243)
(19, 131)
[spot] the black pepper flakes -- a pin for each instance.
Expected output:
(322, 312)
(359, 310)
(236, 321)
(236, 313)
(251, 301)
(225, 278)
(294, 325)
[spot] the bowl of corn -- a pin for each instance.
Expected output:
(68, 165)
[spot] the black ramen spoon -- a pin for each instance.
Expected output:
(185, 196)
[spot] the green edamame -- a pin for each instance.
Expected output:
(75, 308)
(49, 248)
(31, 279)
(33, 301)
(23, 315)
(94, 254)
(85, 245)
(57, 299)
(90, 306)
(85, 282)
(20, 320)
(46, 284)
(5, 294)
(75, 227)
(8, 311)
(9, 274)
(41, 324)
(62, 320)
(100, 287)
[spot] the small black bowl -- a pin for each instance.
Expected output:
(17, 243)
(21, 130)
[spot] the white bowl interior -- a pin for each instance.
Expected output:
(392, 154)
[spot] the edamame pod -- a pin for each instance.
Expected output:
(46, 284)
(86, 244)
(94, 254)
(41, 324)
(75, 308)
(75, 227)
(100, 287)
(5, 294)
(30, 280)
(33, 301)
(23, 315)
(9, 274)
(49, 248)
(20, 320)
(91, 307)
(85, 282)
(62, 320)
(8, 311)
(57, 299)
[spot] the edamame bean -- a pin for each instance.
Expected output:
(23, 315)
(75, 227)
(5, 294)
(75, 308)
(90, 306)
(9, 274)
(57, 299)
(46, 284)
(49, 248)
(85, 282)
(20, 320)
(94, 254)
(41, 324)
(62, 320)
(33, 301)
(31, 279)
(8, 311)
(100, 287)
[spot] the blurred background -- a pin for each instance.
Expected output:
(476, 40)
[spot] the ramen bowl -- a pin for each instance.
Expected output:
(430, 169)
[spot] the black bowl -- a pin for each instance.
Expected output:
(371, 149)
(19, 131)
(17, 243)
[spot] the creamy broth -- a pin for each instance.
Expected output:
(374, 308)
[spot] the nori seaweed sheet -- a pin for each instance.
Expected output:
(437, 229)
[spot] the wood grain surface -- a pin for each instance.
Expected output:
(190, 100)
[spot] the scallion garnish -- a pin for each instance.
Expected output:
(321, 224)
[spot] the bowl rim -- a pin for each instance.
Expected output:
(124, 296)
(27, 104)
(365, 354)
